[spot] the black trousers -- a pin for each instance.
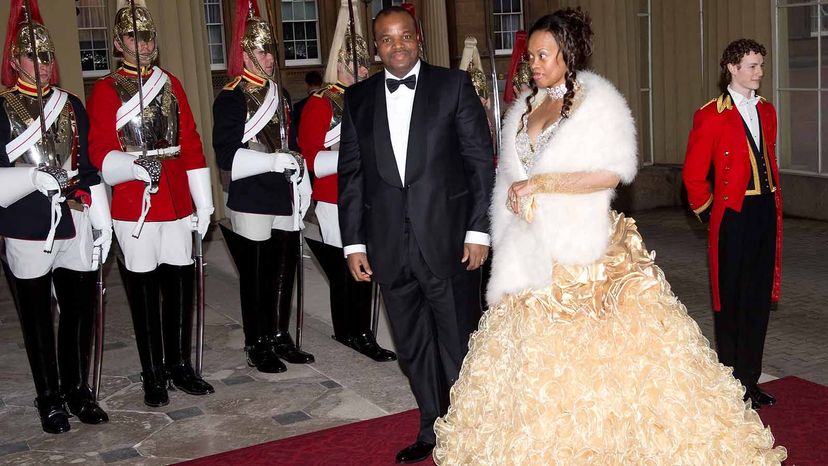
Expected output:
(350, 300)
(747, 253)
(431, 320)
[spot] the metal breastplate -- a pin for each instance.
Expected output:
(337, 100)
(56, 147)
(158, 128)
(268, 139)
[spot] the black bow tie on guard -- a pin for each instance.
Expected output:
(394, 84)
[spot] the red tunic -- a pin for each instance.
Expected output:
(314, 124)
(718, 137)
(173, 200)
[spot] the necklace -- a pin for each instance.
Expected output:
(556, 92)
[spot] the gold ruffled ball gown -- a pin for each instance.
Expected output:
(604, 367)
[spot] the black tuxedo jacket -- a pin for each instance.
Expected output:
(449, 172)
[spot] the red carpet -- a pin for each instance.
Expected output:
(798, 422)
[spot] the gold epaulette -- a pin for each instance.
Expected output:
(724, 102)
(232, 84)
(708, 103)
(763, 99)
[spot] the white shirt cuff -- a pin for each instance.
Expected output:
(354, 248)
(476, 237)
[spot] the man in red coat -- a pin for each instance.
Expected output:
(737, 134)
(319, 141)
(155, 164)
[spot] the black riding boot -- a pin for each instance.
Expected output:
(254, 262)
(76, 297)
(358, 299)
(286, 245)
(33, 299)
(177, 319)
(333, 265)
(144, 297)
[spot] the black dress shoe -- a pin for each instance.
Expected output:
(286, 349)
(263, 357)
(760, 397)
(82, 404)
(367, 345)
(753, 403)
(184, 378)
(155, 389)
(414, 453)
(53, 416)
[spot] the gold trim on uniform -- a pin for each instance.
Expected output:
(757, 187)
(704, 206)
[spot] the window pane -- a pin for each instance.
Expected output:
(287, 11)
(298, 12)
(310, 10)
(798, 142)
(313, 50)
(798, 57)
(214, 34)
(300, 31)
(288, 28)
(516, 8)
(290, 52)
(824, 132)
(310, 30)
(216, 54)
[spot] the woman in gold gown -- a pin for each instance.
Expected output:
(587, 358)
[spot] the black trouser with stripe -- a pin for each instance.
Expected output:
(747, 252)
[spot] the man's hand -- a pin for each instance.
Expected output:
(359, 267)
(473, 254)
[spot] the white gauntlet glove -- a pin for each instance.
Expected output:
(45, 183)
(101, 220)
(285, 162)
(305, 192)
(247, 163)
(120, 167)
(202, 193)
(17, 183)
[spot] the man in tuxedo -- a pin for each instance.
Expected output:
(415, 179)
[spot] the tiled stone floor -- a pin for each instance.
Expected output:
(343, 386)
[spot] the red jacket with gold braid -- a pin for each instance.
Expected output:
(718, 137)
(314, 124)
(173, 200)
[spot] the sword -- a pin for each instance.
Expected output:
(198, 257)
(375, 308)
(283, 133)
(100, 318)
(352, 27)
(148, 163)
(495, 102)
(55, 171)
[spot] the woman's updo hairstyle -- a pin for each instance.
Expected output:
(573, 33)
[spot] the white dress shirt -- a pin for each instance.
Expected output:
(747, 108)
(399, 106)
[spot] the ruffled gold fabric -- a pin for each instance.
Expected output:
(604, 367)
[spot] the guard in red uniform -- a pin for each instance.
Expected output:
(319, 141)
(155, 165)
(53, 213)
(736, 133)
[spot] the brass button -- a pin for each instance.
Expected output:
(727, 153)
(725, 198)
(727, 167)
(725, 182)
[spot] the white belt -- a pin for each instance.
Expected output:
(172, 151)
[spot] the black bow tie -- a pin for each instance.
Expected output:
(394, 84)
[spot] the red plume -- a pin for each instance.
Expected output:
(235, 60)
(519, 50)
(16, 19)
